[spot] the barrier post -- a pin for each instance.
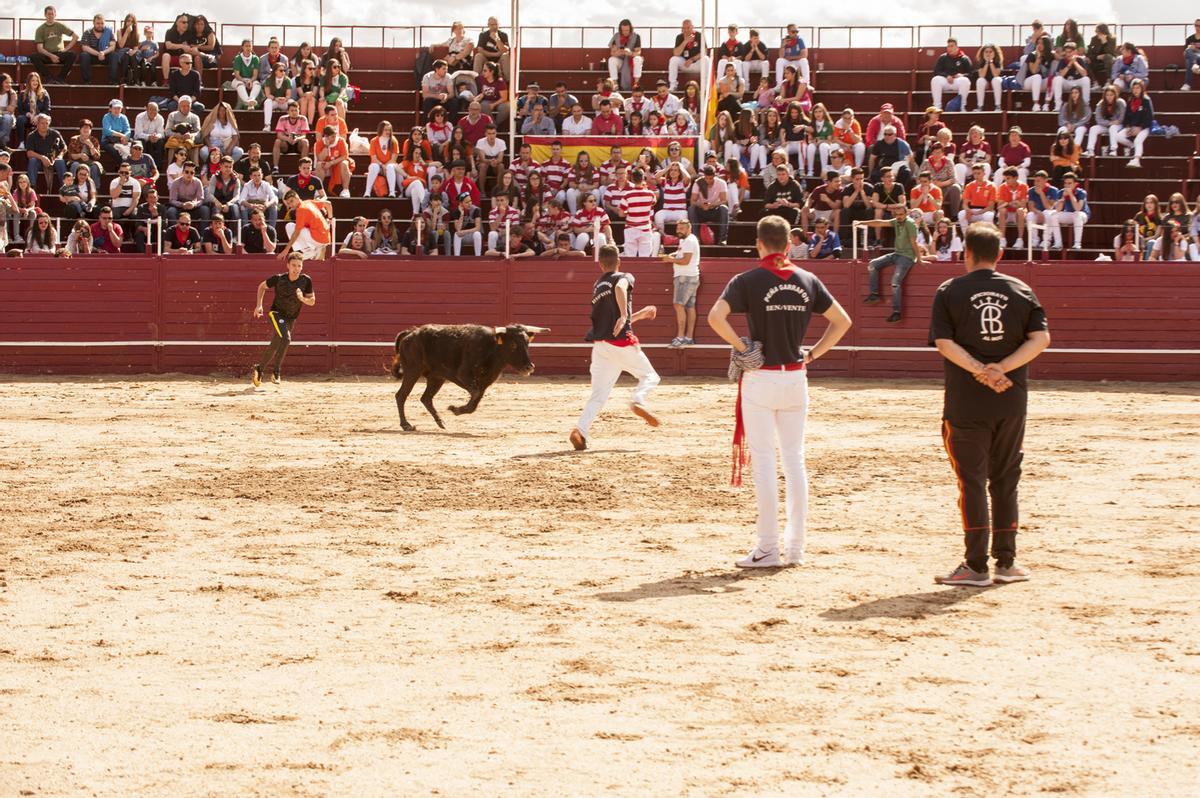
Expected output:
(160, 235)
(596, 239)
(1030, 226)
(507, 236)
(420, 235)
(855, 226)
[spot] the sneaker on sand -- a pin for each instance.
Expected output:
(642, 412)
(1013, 573)
(577, 440)
(793, 558)
(964, 576)
(256, 376)
(872, 299)
(758, 558)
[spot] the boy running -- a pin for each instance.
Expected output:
(292, 289)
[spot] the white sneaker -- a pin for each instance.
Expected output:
(1186, 87)
(345, 193)
(1077, 245)
(1135, 162)
(1089, 154)
(794, 557)
(1019, 244)
(760, 559)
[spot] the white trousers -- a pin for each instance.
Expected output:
(998, 174)
(801, 64)
(1075, 219)
(1053, 230)
(416, 192)
(581, 241)
(305, 244)
(981, 85)
(1062, 85)
(640, 243)
(1033, 84)
(961, 84)
(270, 106)
(1096, 131)
(966, 217)
(1138, 142)
(389, 173)
(964, 175)
(764, 68)
(663, 218)
(608, 362)
(677, 65)
(248, 91)
(635, 67)
(476, 241)
(774, 407)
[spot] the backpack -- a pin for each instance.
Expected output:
(954, 104)
(707, 236)
(423, 64)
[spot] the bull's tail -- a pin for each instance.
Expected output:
(396, 368)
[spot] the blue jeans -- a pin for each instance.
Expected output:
(1192, 56)
(902, 265)
(35, 169)
(115, 61)
(7, 123)
(92, 166)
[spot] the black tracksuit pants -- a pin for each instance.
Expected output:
(281, 336)
(986, 458)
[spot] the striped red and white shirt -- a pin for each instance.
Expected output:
(554, 223)
(638, 204)
(615, 193)
(520, 171)
(674, 196)
(583, 220)
(609, 168)
(555, 173)
(496, 220)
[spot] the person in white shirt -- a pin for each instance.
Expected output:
(148, 128)
(125, 192)
(685, 269)
(257, 194)
(489, 154)
(576, 124)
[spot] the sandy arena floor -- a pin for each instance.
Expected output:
(207, 591)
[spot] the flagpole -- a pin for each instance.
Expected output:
(513, 71)
(705, 79)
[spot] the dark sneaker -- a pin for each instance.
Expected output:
(872, 299)
(895, 317)
(577, 440)
(256, 377)
(1013, 573)
(964, 576)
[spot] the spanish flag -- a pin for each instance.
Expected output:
(710, 109)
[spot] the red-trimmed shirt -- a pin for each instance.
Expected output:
(638, 205)
(675, 196)
(555, 173)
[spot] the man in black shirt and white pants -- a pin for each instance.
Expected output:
(778, 300)
(987, 326)
(615, 348)
(292, 290)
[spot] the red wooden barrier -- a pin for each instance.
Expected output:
(193, 314)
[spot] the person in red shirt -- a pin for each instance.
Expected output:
(606, 122)
(475, 123)
(459, 182)
(106, 235)
(979, 200)
(583, 224)
(1012, 197)
(884, 118)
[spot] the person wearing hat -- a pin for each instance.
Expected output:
(907, 254)
(530, 100)
(951, 71)
(885, 118)
(141, 165)
(115, 131)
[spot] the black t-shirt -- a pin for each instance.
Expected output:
(244, 165)
(778, 311)
(256, 242)
(468, 222)
(887, 154)
(868, 190)
(486, 44)
(694, 48)
(177, 238)
(604, 307)
(895, 196)
(989, 315)
(308, 190)
(791, 192)
(210, 237)
(286, 304)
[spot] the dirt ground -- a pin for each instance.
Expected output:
(211, 591)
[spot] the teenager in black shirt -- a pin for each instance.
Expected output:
(987, 326)
(293, 289)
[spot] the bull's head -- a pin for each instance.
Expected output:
(513, 341)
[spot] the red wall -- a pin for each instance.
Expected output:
(1092, 306)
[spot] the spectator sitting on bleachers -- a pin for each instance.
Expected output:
(142, 71)
(291, 134)
(607, 123)
(204, 39)
(459, 182)
(1177, 211)
(42, 238)
(582, 180)
(976, 149)
(224, 191)
(8, 108)
(116, 132)
(184, 82)
(176, 44)
(356, 244)
(492, 46)
(729, 53)
(1109, 116)
(824, 243)
(891, 154)
(332, 161)
(769, 138)
(848, 136)
(1042, 200)
(942, 243)
(1036, 70)
(1074, 115)
(888, 197)
(277, 95)
(464, 223)
(1064, 157)
(99, 44)
(687, 55)
(258, 238)
(605, 90)
(304, 183)
(979, 200)
(245, 77)
(273, 58)
(1173, 245)
(31, 101)
(1015, 153)
(663, 101)
(538, 124)
(438, 133)
(257, 194)
(79, 240)
(24, 203)
(792, 89)
(220, 131)
(908, 253)
(1070, 33)
(536, 192)
(179, 156)
(474, 125)
(792, 52)
(625, 56)
(1129, 66)
(148, 218)
(384, 150)
(251, 159)
(307, 87)
(1101, 52)
(459, 49)
(150, 128)
(336, 52)
(1125, 244)
(784, 197)
(333, 88)
(674, 184)
(531, 99)
(754, 53)
(577, 124)
(730, 89)
(459, 149)
(437, 90)
(886, 117)
(837, 163)
(217, 239)
(414, 179)
(183, 127)
(141, 166)
(637, 104)
(124, 192)
(182, 238)
(77, 194)
(84, 149)
(1072, 71)
(613, 191)
(951, 71)
(489, 154)
(927, 133)
(1071, 208)
(1191, 57)
(709, 202)
(820, 144)
(44, 148)
(926, 198)
(106, 234)
(1149, 220)
(857, 199)
(187, 195)
(54, 45)
(304, 55)
(778, 158)
(506, 184)
(560, 103)
(493, 95)
(824, 202)
(523, 165)
(1012, 197)
(1135, 127)
(989, 66)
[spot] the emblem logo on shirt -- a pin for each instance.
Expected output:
(991, 308)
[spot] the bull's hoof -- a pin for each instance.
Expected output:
(458, 411)
(407, 427)
(439, 423)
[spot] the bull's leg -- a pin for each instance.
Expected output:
(472, 403)
(406, 387)
(432, 386)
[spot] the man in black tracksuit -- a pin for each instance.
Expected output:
(987, 326)
(293, 289)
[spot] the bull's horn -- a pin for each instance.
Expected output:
(537, 330)
(500, 329)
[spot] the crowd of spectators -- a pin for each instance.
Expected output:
(819, 169)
